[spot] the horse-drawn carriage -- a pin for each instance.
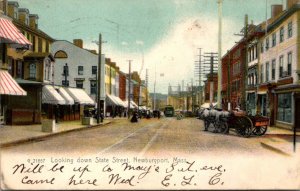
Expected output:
(244, 125)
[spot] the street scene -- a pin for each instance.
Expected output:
(172, 94)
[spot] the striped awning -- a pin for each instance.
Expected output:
(69, 100)
(10, 34)
(80, 96)
(8, 86)
(51, 96)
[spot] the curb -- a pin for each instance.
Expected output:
(41, 137)
(274, 149)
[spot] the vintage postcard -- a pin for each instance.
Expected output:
(149, 94)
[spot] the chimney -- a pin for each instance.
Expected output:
(24, 16)
(276, 10)
(290, 3)
(13, 9)
(78, 43)
(33, 21)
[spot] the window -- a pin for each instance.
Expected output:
(290, 29)
(47, 69)
(33, 43)
(267, 43)
(19, 69)
(281, 66)
(236, 68)
(40, 48)
(10, 66)
(80, 70)
(94, 70)
(93, 87)
(273, 39)
(289, 66)
(285, 107)
(262, 47)
(267, 71)
(281, 34)
(47, 46)
(65, 83)
(273, 69)
(32, 70)
(79, 84)
(66, 70)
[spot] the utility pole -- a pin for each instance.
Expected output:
(228, 82)
(220, 54)
(245, 67)
(100, 103)
(146, 84)
(154, 97)
(129, 96)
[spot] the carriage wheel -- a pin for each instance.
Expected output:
(244, 126)
(222, 127)
(261, 130)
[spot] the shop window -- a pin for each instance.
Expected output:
(285, 108)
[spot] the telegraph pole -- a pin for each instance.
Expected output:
(220, 54)
(129, 73)
(99, 102)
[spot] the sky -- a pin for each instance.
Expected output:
(162, 36)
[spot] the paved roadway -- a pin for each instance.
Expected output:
(164, 137)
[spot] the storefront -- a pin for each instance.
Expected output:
(286, 105)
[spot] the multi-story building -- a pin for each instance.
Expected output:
(33, 69)
(279, 66)
(12, 42)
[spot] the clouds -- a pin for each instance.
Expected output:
(175, 54)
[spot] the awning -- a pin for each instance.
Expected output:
(8, 86)
(262, 92)
(134, 104)
(121, 103)
(51, 96)
(11, 34)
(126, 104)
(69, 100)
(111, 100)
(80, 96)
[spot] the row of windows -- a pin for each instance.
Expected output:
(285, 70)
(281, 37)
(80, 70)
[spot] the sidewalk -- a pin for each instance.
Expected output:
(16, 134)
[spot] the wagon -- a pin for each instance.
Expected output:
(244, 125)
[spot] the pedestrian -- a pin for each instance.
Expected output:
(134, 118)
